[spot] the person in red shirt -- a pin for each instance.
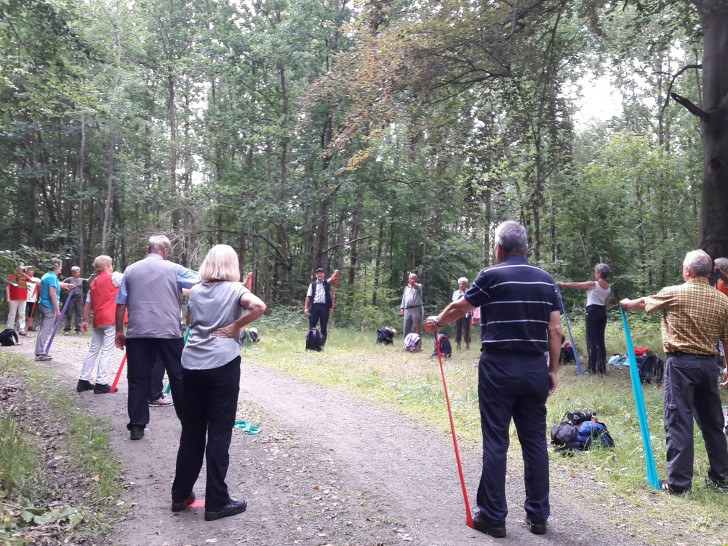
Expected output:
(16, 290)
(721, 268)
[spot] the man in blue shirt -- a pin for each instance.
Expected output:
(50, 311)
(520, 324)
(151, 291)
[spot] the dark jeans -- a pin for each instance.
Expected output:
(513, 386)
(75, 307)
(156, 385)
(141, 353)
(462, 330)
(691, 391)
(210, 403)
(596, 323)
(319, 311)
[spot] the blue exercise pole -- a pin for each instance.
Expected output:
(571, 338)
(640, 405)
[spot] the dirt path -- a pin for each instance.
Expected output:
(328, 468)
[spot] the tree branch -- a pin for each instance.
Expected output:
(347, 243)
(682, 101)
(674, 77)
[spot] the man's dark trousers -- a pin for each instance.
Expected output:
(691, 390)
(513, 385)
(319, 311)
(141, 354)
(209, 408)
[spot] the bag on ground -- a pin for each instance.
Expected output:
(8, 337)
(386, 335)
(445, 347)
(580, 431)
(651, 367)
(567, 354)
(412, 342)
(314, 340)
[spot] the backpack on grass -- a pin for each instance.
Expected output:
(651, 367)
(314, 340)
(413, 342)
(8, 337)
(386, 335)
(445, 347)
(580, 431)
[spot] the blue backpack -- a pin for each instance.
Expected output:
(445, 347)
(579, 431)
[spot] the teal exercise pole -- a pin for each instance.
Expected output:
(169, 385)
(571, 338)
(640, 404)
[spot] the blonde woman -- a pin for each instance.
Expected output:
(218, 308)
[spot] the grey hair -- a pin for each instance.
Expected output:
(463, 279)
(158, 242)
(603, 270)
(699, 262)
(75, 268)
(511, 237)
(721, 263)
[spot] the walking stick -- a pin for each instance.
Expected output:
(639, 402)
(118, 374)
(333, 301)
(576, 356)
(68, 299)
(468, 516)
(35, 295)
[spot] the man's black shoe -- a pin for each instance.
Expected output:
(496, 530)
(233, 507)
(136, 433)
(721, 485)
(84, 385)
(537, 527)
(666, 486)
(101, 389)
(178, 506)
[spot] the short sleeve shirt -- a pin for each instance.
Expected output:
(46, 282)
(212, 306)
(695, 316)
(516, 300)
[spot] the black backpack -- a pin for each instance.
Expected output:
(579, 431)
(651, 367)
(8, 337)
(314, 340)
(386, 335)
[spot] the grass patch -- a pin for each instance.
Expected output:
(43, 417)
(411, 384)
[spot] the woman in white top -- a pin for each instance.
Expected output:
(462, 325)
(217, 309)
(597, 301)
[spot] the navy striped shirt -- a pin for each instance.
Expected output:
(516, 300)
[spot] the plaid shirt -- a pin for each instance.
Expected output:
(695, 316)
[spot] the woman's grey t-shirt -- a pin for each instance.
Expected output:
(212, 306)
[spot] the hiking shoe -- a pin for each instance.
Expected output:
(66, 333)
(667, 487)
(496, 530)
(178, 506)
(233, 507)
(136, 433)
(43, 358)
(721, 485)
(101, 389)
(84, 385)
(21, 333)
(161, 403)
(537, 527)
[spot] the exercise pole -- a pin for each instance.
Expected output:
(333, 301)
(468, 516)
(118, 374)
(35, 295)
(639, 401)
(63, 311)
(571, 338)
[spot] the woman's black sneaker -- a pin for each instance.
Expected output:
(84, 385)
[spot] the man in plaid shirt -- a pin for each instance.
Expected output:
(695, 318)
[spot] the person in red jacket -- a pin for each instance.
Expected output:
(100, 298)
(15, 293)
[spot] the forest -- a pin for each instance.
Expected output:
(376, 137)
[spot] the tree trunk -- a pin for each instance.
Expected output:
(81, 156)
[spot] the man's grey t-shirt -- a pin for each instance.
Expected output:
(212, 306)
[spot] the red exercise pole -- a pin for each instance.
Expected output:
(118, 374)
(333, 300)
(468, 516)
(250, 281)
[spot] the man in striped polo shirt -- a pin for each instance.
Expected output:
(695, 318)
(520, 324)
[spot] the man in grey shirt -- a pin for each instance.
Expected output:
(151, 291)
(412, 308)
